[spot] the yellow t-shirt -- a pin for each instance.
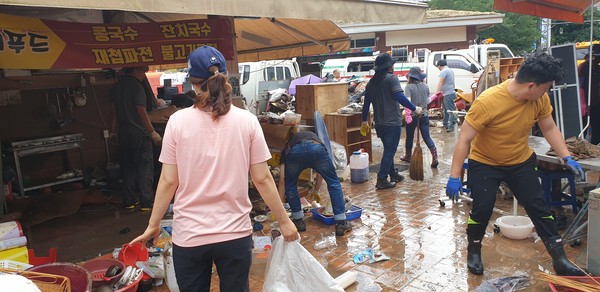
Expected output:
(503, 126)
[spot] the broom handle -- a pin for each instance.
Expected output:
(418, 126)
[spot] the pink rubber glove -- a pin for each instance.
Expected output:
(408, 117)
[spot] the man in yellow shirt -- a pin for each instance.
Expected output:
(495, 138)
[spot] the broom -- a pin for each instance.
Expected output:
(416, 161)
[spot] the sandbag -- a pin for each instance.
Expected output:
(292, 268)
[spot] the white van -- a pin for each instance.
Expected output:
(251, 73)
(466, 69)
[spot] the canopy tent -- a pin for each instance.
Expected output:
(343, 11)
(280, 38)
(566, 10)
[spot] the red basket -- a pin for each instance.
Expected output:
(81, 279)
(133, 286)
(582, 279)
(98, 268)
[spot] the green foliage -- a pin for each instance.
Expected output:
(519, 32)
(566, 32)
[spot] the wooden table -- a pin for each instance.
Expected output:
(541, 146)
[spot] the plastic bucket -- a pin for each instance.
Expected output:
(81, 279)
(130, 254)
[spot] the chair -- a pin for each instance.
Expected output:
(37, 261)
(551, 180)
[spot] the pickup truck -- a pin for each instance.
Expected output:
(466, 69)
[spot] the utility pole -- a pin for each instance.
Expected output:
(546, 30)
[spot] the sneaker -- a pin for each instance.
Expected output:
(300, 224)
(396, 177)
(405, 158)
(342, 227)
(146, 209)
(132, 206)
(383, 183)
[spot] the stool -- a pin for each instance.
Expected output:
(37, 261)
(548, 183)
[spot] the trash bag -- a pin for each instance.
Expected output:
(340, 161)
(292, 268)
(519, 280)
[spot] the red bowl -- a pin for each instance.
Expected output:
(81, 279)
(98, 268)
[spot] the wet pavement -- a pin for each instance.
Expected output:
(426, 243)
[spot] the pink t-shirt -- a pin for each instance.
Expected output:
(213, 160)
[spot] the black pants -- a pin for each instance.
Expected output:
(137, 168)
(233, 258)
(522, 179)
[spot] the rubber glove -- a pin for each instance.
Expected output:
(408, 115)
(452, 188)
(156, 139)
(419, 110)
(364, 128)
(573, 166)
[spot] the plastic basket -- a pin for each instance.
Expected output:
(45, 282)
(582, 279)
(79, 278)
(14, 265)
(353, 213)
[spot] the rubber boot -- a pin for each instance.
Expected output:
(562, 265)
(474, 262)
(383, 183)
(434, 158)
(475, 234)
(406, 157)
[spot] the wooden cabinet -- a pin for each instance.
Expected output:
(322, 97)
(344, 129)
(509, 67)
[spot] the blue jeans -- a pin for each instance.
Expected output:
(423, 128)
(448, 104)
(311, 154)
(390, 137)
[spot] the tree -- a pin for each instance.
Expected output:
(519, 32)
(566, 32)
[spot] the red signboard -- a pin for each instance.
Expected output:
(29, 43)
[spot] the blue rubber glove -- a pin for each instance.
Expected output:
(573, 166)
(453, 187)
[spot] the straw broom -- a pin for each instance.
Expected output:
(568, 283)
(416, 161)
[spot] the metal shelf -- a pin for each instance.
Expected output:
(46, 145)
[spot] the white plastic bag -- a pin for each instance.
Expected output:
(292, 268)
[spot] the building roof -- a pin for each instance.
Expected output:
(435, 19)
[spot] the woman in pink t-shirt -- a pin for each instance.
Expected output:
(207, 152)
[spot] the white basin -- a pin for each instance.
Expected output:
(515, 227)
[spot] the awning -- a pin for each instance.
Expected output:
(344, 11)
(281, 38)
(566, 10)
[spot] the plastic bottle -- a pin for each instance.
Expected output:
(359, 166)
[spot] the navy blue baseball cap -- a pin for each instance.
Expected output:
(202, 58)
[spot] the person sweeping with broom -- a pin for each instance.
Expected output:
(495, 136)
(385, 92)
(418, 92)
